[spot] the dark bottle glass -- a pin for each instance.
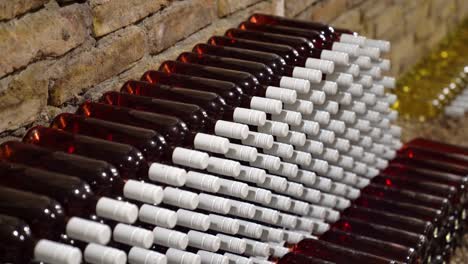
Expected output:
(371, 245)
(295, 258)
(335, 253)
(128, 160)
(445, 161)
(437, 146)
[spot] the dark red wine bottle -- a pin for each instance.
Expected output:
(437, 146)
(445, 161)
(296, 258)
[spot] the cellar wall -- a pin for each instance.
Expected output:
(56, 54)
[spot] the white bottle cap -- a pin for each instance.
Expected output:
(203, 241)
(242, 209)
(167, 174)
(318, 212)
(371, 172)
(349, 178)
(326, 136)
(287, 170)
(256, 248)
(335, 172)
(286, 96)
(259, 195)
(319, 166)
(133, 236)
(293, 237)
(281, 150)
(212, 258)
(250, 229)
(342, 203)
(274, 128)
(345, 162)
(389, 154)
(365, 80)
(351, 49)
(180, 198)
(365, 141)
(355, 89)
(301, 86)
(117, 210)
(342, 145)
(311, 195)
(360, 168)
(383, 45)
(371, 52)
(277, 251)
(390, 98)
(352, 39)
(224, 224)
(378, 149)
(267, 162)
(240, 152)
(287, 221)
(352, 69)
(363, 62)
(299, 207)
(328, 200)
(251, 174)
(320, 117)
(259, 140)
(249, 116)
(280, 202)
(266, 215)
(384, 123)
(294, 138)
(397, 144)
(182, 257)
(320, 227)
(395, 131)
(302, 106)
(312, 75)
(231, 129)
(356, 152)
(329, 106)
(362, 183)
(383, 64)
(211, 143)
(331, 155)
(266, 105)
(382, 107)
(288, 117)
(170, 238)
(317, 97)
(387, 82)
(193, 220)
(88, 231)
(143, 192)
(337, 126)
(308, 127)
(300, 158)
(339, 58)
(352, 134)
(235, 259)
(275, 183)
(377, 89)
(325, 66)
(234, 188)
(56, 253)
(138, 255)
(223, 167)
(393, 115)
(272, 234)
(157, 216)
(97, 254)
(358, 106)
(190, 158)
(353, 193)
(214, 203)
(365, 126)
(305, 224)
(342, 79)
(338, 188)
(295, 189)
(306, 177)
(328, 87)
(375, 117)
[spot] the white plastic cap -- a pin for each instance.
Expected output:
(387, 82)
(350, 178)
(143, 192)
(157, 216)
(382, 107)
(266, 105)
(339, 189)
(295, 189)
(345, 162)
(289, 117)
(343, 98)
(240, 152)
(301, 86)
(381, 163)
(326, 136)
(332, 215)
(331, 155)
(369, 99)
(224, 224)
(371, 172)
(362, 183)
(351, 49)
(212, 258)
(259, 195)
(231, 129)
(302, 106)
(167, 174)
(180, 198)
(267, 162)
(211, 143)
(234, 188)
(337, 126)
(301, 158)
(320, 117)
(393, 115)
(305, 224)
(274, 128)
(259, 140)
(355, 89)
(190, 158)
(383, 64)
(312, 75)
(138, 255)
(250, 229)
(342, 79)
(306, 177)
(366, 142)
(117, 210)
(328, 87)
(352, 69)
(365, 126)
(320, 227)
(377, 89)
(389, 154)
(88, 231)
(384, 123)
(319, 166)
(293, 237)
(242, 209)
(383, 45)
(182, 257)
(223, 167)
(325, 66)
(342, 144)
(335, 173)
(272, 234)
(390, 98)
(275, 183)
(56, 253)
(317, 97)
(170, 238)
(358, 106)
(251, 174)
(339, 58)
(363, 62)
(280, 202)
(365, 80)
(277, 251)
(133, 236)
(318, 212)
(266, 215)
(371, 52)
(286, 96)
(238, 259)
(328, 200)
(395, 131)
(294, 138)
(281, 150)
(249, 116)
(352, 39)
(193, 220)
(329, 106)
(352, 193)
(308, 127)
(256, 248)
(300, 207)
(356, 151)
(342, 203)
(288, 221)
(98, 254)
(214, 203)
(311, 195)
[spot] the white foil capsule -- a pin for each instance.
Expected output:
(249, 116)
(339, 58)
(224, 167)
(324, 66)
(240, 152)
(167, 174)
(231, 130)
(259, 140)
(301, 86)
(286, 96)
(267, 105)
(157, 216)
(274, 128)
(224, 224)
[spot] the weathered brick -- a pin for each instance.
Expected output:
(114, 54)
(324, 11)
(351, 19)
(10, 9)
(371, 9)
(401, 61)
(386, 21)
(353, 3)
(109, 16)
(226, 7)
(47, 33)
(294, 7)
(168, 27)
(22, 97)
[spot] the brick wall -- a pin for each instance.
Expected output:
(57, 53)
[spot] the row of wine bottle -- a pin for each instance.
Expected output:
(272, 143)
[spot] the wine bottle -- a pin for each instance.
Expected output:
(445, 161)
(295, 258)
(437, 146)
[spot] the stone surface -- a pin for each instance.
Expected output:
(350, 20)
(22, 97)
(294, 7)
(324, 11)
(112, 55)
(12, 8)
(168, 27)
(109, 16)
(46, 33)
(226, 7)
